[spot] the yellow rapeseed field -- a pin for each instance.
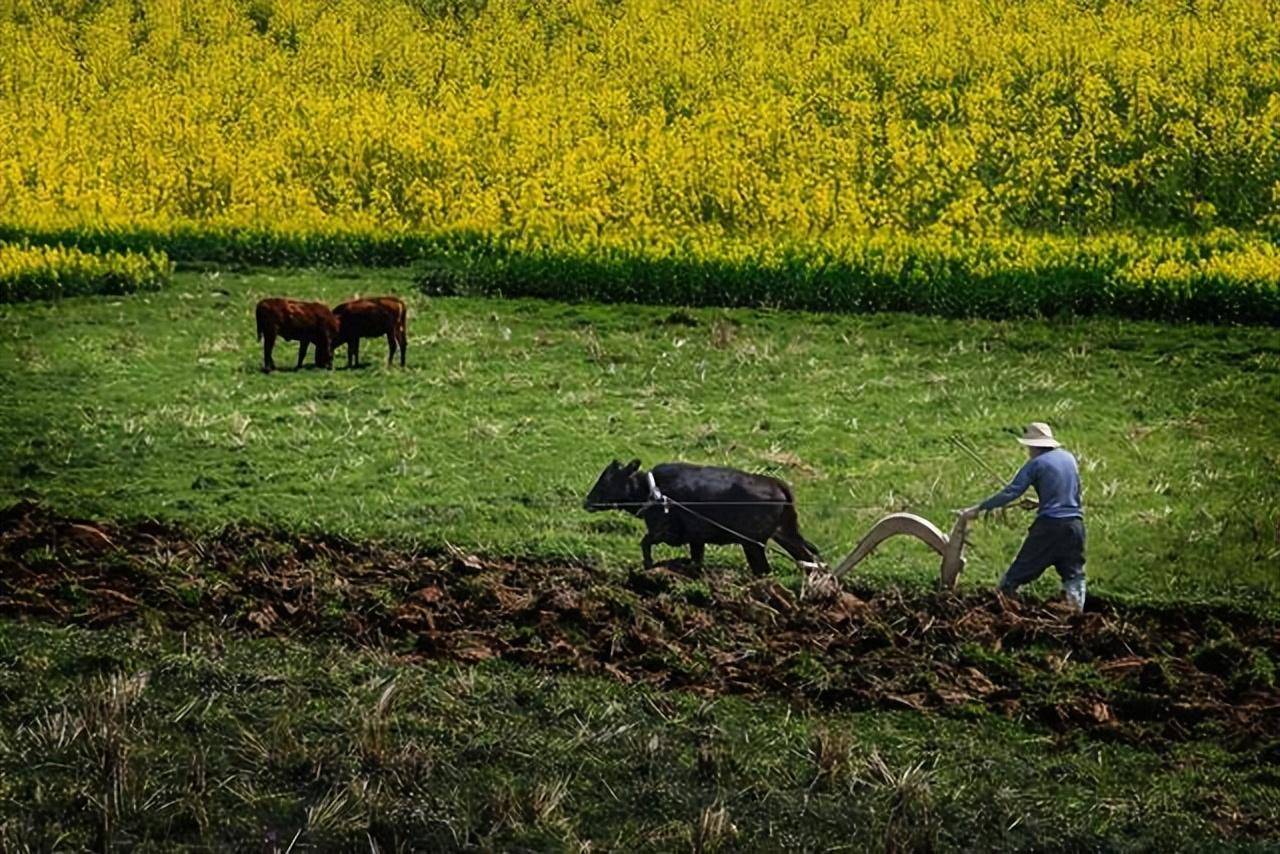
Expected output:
(1025, 149)
(565, 118)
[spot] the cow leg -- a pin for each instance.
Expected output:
(391, 348)
(403, 345)
(353, 352)
(756, 558)
(646, 549)
(268, 344)
(697, 551)
(302, 353)
(324, 352)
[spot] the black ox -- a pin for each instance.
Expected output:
(683, 504)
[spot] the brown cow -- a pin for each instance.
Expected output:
(307, 322)
(371, 318)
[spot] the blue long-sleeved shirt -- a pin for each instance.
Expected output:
(1057, 483)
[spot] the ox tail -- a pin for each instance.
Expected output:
(791, 521)
(790, 529)
(401, 337)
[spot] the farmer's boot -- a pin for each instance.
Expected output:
(1075, 593)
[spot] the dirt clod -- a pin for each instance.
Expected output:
(1132, 672)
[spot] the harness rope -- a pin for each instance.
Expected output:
(657, 498)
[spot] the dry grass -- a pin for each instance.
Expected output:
(227, 742)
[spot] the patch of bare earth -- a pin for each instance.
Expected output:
(1136, 673)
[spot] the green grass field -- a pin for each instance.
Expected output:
(155, 406)
(181, 723)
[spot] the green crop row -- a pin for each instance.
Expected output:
(1223, 276)
(1216, 279)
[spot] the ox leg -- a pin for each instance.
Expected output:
(268, 344)
(353, 353)
(697, 551)
(404, 343)
(391, 348)
(646, 549)
(324, 353)
(756, 558)
(302, 353)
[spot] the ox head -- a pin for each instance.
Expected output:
(613, 487)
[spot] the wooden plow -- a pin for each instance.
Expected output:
(949, 546)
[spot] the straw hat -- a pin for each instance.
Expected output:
(1039, 435)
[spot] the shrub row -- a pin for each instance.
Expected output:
(1158, 279)
(1220, 277)
(30, 272)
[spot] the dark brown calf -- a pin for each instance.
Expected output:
(372, 318)
(306, 322)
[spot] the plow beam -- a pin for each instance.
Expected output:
(949, 546)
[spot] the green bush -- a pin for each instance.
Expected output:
(1223, 276)
(1218, 278)
(48, 272)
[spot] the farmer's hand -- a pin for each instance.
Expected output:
(971, 512)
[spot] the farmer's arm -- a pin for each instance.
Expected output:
(1016, 487)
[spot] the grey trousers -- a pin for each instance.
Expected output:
(1051, 542)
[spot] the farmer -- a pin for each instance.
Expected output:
(1057, 535)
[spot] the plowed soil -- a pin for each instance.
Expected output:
(1135, 673)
